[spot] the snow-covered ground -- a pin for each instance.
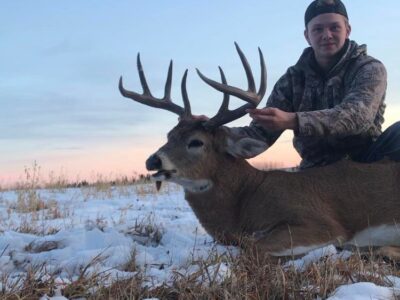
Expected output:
(99, 231)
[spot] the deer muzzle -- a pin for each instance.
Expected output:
(153, 163)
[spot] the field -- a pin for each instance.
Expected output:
(120, 239)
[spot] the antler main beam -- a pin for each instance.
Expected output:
(251, 96)
(164, 103)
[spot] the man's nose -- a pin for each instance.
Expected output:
(327, 34)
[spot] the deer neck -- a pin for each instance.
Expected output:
(218, 208)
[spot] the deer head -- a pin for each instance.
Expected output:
(194, 146)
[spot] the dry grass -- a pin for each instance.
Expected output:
(38, 282)
(27, 286)
(33, 215)
(59, 182)
(146, 231)
(255, 278)
(31, 226)
(250, 277)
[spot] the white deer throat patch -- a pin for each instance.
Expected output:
(194, 186)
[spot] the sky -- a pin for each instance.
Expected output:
(60, 62)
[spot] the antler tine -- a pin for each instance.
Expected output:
(225, 101)
(263, 83)
(145, 86)
(147, 98)
(249, 73)
(188, 112)
(168, 83)
(249, 96)
(252, 98)
(225, 115)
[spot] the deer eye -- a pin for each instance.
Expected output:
(195, 144)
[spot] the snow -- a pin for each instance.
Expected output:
(102, 233)
(313, 256)
(362, 291)
(98, 232)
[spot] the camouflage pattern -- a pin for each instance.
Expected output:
(339, 113)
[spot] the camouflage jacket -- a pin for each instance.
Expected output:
(339, 113)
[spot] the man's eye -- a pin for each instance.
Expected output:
(195, 143)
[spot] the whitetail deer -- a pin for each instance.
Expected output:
(283, 213)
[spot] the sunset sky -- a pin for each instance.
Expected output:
(60, 62)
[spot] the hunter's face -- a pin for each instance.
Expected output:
(326, 34)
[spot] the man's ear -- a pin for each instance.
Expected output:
(306, 36)
(348, 28)
(242, 146)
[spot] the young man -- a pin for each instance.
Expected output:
(332, 98)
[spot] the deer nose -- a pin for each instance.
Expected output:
(153, 163)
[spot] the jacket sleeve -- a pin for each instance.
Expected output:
(356, 113)
(280, 98)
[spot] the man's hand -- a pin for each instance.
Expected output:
(274, 119)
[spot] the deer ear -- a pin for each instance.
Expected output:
(245, 147)
(239, 145)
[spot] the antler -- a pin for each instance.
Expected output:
(164, 103)
(251, 96)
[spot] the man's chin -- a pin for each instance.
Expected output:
(328, 53)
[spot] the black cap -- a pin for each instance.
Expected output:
(319, 7)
